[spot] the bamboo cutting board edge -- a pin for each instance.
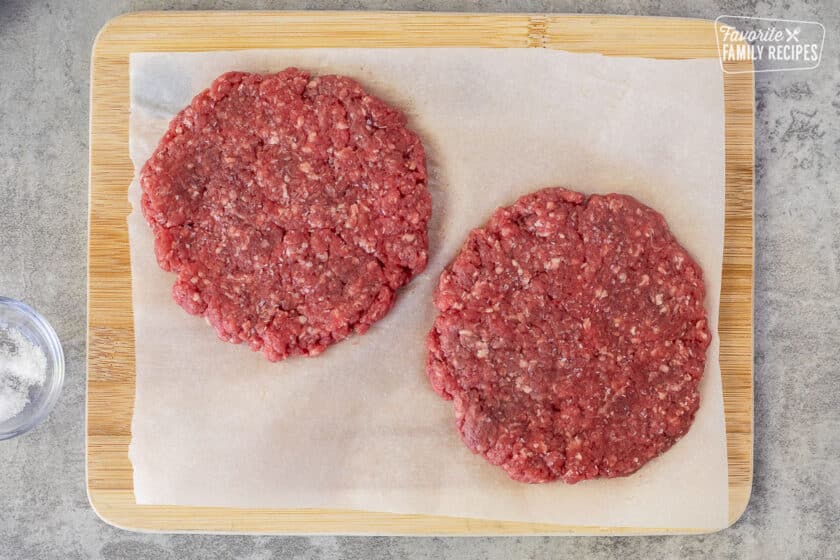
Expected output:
(110, 392)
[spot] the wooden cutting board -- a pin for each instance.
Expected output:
(110, 324)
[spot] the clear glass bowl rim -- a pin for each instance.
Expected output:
(55, 380)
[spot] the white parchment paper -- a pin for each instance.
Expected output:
(359, 427)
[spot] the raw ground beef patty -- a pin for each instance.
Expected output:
(291, 208)
(571, 336)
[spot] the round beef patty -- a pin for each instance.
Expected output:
(291, 208)
(571, 337)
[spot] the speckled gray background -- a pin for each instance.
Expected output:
(795, 506)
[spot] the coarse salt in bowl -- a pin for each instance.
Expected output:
(31, 368)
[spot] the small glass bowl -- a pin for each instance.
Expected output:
(17, 315)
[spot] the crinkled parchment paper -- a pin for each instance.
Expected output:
(359, 427)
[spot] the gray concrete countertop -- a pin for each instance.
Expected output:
(795, 507)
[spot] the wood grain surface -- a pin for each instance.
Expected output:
(110, 385)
